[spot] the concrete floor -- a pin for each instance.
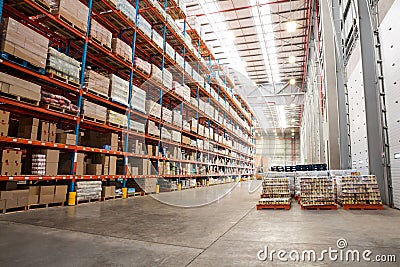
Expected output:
(142, 231)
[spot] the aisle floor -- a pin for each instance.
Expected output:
(142, 231)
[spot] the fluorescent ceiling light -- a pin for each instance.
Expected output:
(292, 81)
(292, 130)
(291, 26)
(292, 59)
(282, 116)
(292, 105)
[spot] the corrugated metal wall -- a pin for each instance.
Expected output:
(390, 40)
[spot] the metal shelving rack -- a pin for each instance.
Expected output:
(81, 46)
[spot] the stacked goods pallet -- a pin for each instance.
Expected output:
(177, 118)
(144, 26)
(121, 49)
(4, 122)
(166, 115)
(24, 43)
(119, 90)
(88, 190)
(167, 79)
(127, 9)
(62, 103)
(22, 90)
(153, 109)
(317, 193)
(142, 65)
(147, 185)
(94, 112)
(359, 192)
(100, 34)
(152, 129)
(62, 66)
(72, 11)
(157, 38)
(165, 134)
(137, 126)
(97, 83)
(139, 99)
(156, 73)
(169, 50)
(117, 119)
(275, 193)
(176, 136)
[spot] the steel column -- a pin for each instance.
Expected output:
(372, 99)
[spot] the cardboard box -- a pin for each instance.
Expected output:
(52, 159)
(33, 199)
(23, 201)
(46, 190)
(60, 193)
(2, 204)
(73, 11)
(66, 138)
(11, 162)
(11, 203)
(6, 195)
(112, 167)
(53, 132)
(94, 169)
(108, 191)
(44, 127)
(34, 190)
(4, 122)
(65, 164)
(28, 128)
(46, 199)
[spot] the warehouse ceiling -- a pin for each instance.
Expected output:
(265, 43)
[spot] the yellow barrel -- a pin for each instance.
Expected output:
(179, 186)
(71, 198)
(158, 189)
(208, 183)
(125, 192)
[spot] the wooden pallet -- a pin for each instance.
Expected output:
(273, 207)
(362, 207)
(102, 95)
(20, 99)
(116, 125)
(41, 206)
(319, 207)
(24, 208)
(134, 194)
(21, 62)
(101, 44)
(129, 61)
(107, 198)
(88, 200)
(60, 78)
(58, 109)
(62, 18)
(118, 102)
(103, 122)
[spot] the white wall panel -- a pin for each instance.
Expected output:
(358, 130)
(389, 33)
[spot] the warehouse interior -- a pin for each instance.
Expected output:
(198, 133)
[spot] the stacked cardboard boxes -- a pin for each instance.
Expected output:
(144, 26)
(152, 129)
(62, 65)
(144, 166)
(117, 118)
(169, 50)
(176, 136)
(156, 73)
(127, 9)
(11, 162)
(148, 185)
(358, 190)
(72, 11)
(316, 191)
(18, 87)
(137, 126)
(122, 49)
(139, 99)
(157, 38)
(119, 89)
(97, 82)
(142, 65)
(65, 138)
(4, 122)
(60, 193)
(165, 134)
(275, 191)
(193, 125)
(47, 132)
(167, 115)
(167, 79)
(23, 42)
(100, 34)
(177, 118)
(13, 199)
(46, 194)
(28, 128)
(65, 163)
(86, 190)
(153, 109)
(94, 111)
(94, 169)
